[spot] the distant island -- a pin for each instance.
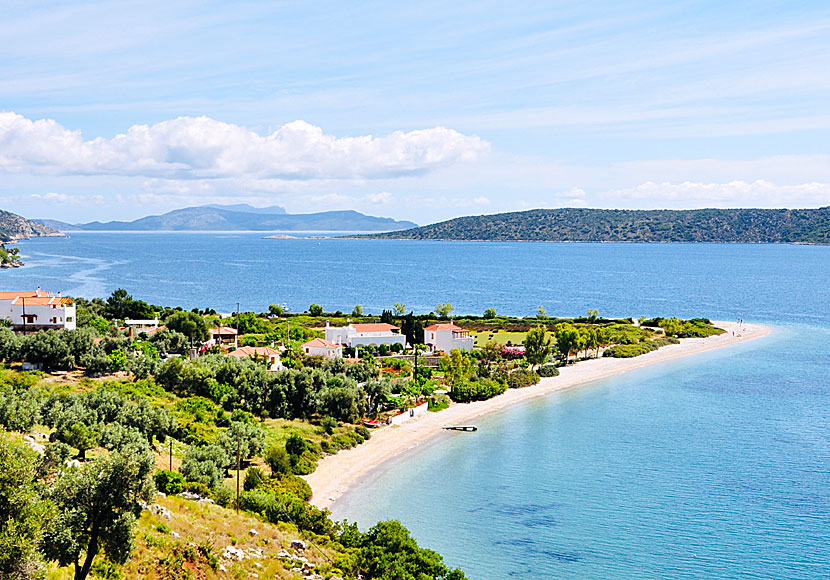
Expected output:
(242, 217)
(761, 226)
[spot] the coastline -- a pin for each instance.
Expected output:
(336, 474)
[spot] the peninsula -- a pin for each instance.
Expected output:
(336, 474)
(749, 226)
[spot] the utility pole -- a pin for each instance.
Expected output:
(238, 464)
(23, 298)
(171, 454)
(237, 319)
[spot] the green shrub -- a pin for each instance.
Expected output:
(169, 482)
(479, 390)
(522, 378)
(292, 484)
(198, 488)
(223, 495)
(253, 478)
(278, 460)
(304, 465)
(548, 370)
(632, 350)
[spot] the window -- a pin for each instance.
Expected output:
(69, 319)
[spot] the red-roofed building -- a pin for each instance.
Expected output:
(447, 336)
(322, 347)
(260, 352)
(224, 335)
(356, 335)
(36, 310)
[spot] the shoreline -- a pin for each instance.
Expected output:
(336, 474)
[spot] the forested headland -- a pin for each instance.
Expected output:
(749, 226)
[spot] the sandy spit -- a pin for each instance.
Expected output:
(335, 474)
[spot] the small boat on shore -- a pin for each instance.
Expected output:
(467, 428)
(373, 423)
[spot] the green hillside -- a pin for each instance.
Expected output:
(808, 226)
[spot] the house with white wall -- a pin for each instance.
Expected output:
(372, 334)
(137, 326)
(322, 347)
(445, 337)
(41, 312)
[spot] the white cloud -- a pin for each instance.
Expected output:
(52, 196)
(691, 194)
(203, 148)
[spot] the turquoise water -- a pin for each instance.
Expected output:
(713, 466)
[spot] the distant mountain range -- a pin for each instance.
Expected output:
(809, 226)
(15, 227)
(243, 217)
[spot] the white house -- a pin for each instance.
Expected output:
(322, 347)
(373, 334)
(41, 312)
(260, 352)
(445, 337)
(138, 326)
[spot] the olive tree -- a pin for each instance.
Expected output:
(97, 507)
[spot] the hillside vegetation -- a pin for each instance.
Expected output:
(808, 226)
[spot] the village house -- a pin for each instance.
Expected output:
(322, 347)
(447, 336)
(32, 310)
(136, 327)
(372, 334)
(260, 352)
(224, 336)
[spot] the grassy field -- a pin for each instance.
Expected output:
(499, 337)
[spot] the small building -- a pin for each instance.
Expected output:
(260, 352)
(447, 336)
(136, 327)
(224, 336)
(322, 347)
(372, 334)
(31, 311)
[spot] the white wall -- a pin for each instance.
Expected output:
(443, 340)
(59, 316)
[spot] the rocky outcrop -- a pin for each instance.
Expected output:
(15, 227)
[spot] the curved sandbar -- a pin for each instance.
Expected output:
(335, 474)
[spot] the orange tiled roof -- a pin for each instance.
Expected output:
(374, 327)
(445, 326)
(321, 342)
(43, 300)
(12, 294)
(222, 330)
(263, 351)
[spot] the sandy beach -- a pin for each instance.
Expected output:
(335, 474)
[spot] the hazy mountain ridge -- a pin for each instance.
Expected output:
(810, 226)
(15, 227)
(274, 218)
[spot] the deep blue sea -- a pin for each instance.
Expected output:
(715, 466)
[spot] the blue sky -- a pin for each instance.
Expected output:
(423, 111)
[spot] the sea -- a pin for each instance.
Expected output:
(714, 466)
